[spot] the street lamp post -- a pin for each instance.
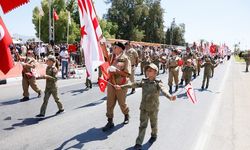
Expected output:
(171, 31)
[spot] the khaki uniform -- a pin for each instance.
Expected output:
(246, 57)
(155, 58)
(173, 71)
(122, 62)
(149, 106)
(133, 57)
(145, 61)
(29, 78)
(51, 88)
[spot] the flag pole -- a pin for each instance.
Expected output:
(68, 29)
(50, 38)
(53, 26)
(40, 31)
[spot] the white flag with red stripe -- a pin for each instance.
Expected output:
(190, 93)
(90, 35)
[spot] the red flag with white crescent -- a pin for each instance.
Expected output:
(190, 93)
(6, 61)
(102, 84)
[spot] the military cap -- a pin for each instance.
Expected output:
(52, 58)
(189, 60)
(153, 66)
(119, 44)
(207, 59)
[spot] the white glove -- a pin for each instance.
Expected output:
(22, 63)
(112, 69)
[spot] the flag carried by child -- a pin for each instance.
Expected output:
(190, 93)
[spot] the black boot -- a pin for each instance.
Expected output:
(181, 83)
(24, 99)
(170, 89)
(126, 119)
(109, 125)
(194, 75)
(176, 88)
(39, 94)
(133, 91)
(206, 87)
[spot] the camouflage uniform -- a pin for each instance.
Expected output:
(155, 59)
(187, 71)
(207, 72)
(246, 57)
(29, 78)
(51, 88)
(149, 106)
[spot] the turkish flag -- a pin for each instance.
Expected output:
(213, 48)
(56, 17)
(102, 84)
(8, 5)
(190, 93)
(6, 61)
(104, 68)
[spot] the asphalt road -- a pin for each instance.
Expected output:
(182, 124)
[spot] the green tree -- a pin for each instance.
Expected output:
(60, 25)
(109, 29)
(176, 34)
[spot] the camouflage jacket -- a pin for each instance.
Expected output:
(51, 83)
(150, 93)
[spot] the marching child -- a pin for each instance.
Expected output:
(51, 86)
(149, 107)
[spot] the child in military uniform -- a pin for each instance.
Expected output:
(187, 70)
(51, 86)
(149, 107)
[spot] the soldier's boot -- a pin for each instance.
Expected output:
(170, 89)
(133, 91)
(181, 83)
(126, 119)
(176, 88)
(24, 99)
(90, 84)
(39, 94)
(206, 86)
(194, 76)
(202, 87)
(109, 125)
(198, 73)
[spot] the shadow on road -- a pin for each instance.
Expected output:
(27, 122)
(93, 103)
(15, 101)
(145, 146)
(93, 134)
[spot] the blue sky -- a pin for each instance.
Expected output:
(220, 21)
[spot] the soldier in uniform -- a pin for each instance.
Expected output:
(163, 60)
(207, 71)
(246, 57)
(151, 88)
(173, 71)
(187, 70)
(134, 60)
(145, 60)
(51, 86)
(29, 78)
(155, 58)
(120, 70)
